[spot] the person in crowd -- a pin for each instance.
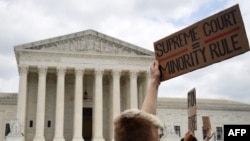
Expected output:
(189, 136)
(142, 125)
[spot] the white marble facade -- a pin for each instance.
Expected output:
(172, 111)
(71, 87)
(220, 112)
(55, 73)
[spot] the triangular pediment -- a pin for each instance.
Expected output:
(88, 41)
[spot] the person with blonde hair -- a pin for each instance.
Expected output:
(141, 125)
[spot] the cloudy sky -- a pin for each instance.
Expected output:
(140, 22)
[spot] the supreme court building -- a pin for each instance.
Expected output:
(74, 85)
(71, 88)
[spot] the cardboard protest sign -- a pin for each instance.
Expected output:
(216, 38)
(192, 114)
(206, 123)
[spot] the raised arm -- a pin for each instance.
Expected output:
(210, 134)
(150, 101)
(189, 136)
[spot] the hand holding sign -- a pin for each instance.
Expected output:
(209, 41)
(192, 116)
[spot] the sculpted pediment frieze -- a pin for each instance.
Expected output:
(91, 43)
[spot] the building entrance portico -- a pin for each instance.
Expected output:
(73, 86)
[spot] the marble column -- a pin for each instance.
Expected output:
(59, 120)
(77, 128)
(40, 112)
(98, 110)
(133, 90)
(22, 96)
(115, 98)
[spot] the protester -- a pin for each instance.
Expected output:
(189, 136)
(142, 125)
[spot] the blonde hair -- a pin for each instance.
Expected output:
(134, 124)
